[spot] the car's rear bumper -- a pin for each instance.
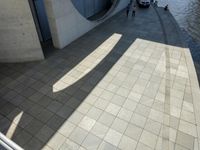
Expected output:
(144, 5)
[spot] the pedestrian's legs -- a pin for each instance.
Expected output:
(127, 13)
(133, 13)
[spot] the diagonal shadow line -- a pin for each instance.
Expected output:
(80, 89)
(96, 75)
(83, 87)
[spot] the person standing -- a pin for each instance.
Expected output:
(134, 10)
(166, 7)
(128, 9)
(155, 3)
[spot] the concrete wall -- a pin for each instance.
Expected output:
(67, 24)
(18, 37)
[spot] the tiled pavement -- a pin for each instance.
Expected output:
(119, 87)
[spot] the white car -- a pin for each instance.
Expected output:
(144, 3)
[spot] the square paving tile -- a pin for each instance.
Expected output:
(106, 119)
(66, 129)
(127, 143)
(142, 146)
(113, 137)
(185, 140)
(149, 139)
(119, 125)
(113, 109)
(125, 114)
(143, 110)
(138, 120)
(107, 146)
(68, 144)
(33, 144)
(188, 128)
(94, 113)
(76, 117)
(87, 123)
(78, 135)
(99, 130)
(130, 105)
(56, 141)
(153, 126)
(91, 142)
(45, 134)
(133, 132)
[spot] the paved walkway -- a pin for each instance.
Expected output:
(119, 87)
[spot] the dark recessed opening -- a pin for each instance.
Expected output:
(42, 25)
(94, 9)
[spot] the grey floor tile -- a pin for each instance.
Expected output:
(138, 120)
(34, 144)
(7, 108)
(118, 100)
(106, 146)
(119, 125)
(125, 114)
(142, 110)
(127, 143)
(99, 130)
(44, 115)
(146, 101)
(106, 119)
(87, 123)
(45, 133)
(22, 138)
(54, 106)
(130, 105)
(94, 113)
(76, 117)
(34, 126)
(178, 147)
(65, 111)
(141, 146)
(28, 92)
(36, 97)
(149, 139)
(45, 101)
(55, 122)
(66, 128)
(32, 108)
(113, 109)
(78, 135)
(153, 126)
(91, 142)
(68, 144)
(56, 141)
(101, 104)
(113, 137)
(185, 140)
(133, 132)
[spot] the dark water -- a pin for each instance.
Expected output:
(187, 14)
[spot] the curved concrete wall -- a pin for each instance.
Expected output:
(67, 24)
(18, 37)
